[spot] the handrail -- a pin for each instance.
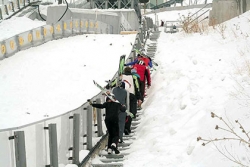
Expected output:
(199, 16)
(200, 9)
(171, 2)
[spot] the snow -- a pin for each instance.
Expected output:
(198, 73)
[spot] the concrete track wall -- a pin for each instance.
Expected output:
(127, 18)
(223, 10)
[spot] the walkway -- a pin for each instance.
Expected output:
(116, 160)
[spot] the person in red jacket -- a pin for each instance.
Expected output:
(144, 74)
(141, 56)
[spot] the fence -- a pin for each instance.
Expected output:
(55, 141)
(47, 33)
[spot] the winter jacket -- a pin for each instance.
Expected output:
(120, 94)
(112, 109)
(132, 84)
(144, 73)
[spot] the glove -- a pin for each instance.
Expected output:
(130, 114)
(90, 103)
(149, 86)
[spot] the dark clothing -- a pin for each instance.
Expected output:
(113, 130)
(133, 109)
(112, 119)
(121, 95)
(112, 109)
(142, 90)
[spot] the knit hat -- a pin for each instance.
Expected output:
(127, 70)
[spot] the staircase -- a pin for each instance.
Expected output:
(116, 160)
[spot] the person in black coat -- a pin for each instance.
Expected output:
(111, 121)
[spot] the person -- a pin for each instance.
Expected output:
(121, 95)
(141, 56)
(162, 23)
(174, 29)
(132, 86)
(112, 109)
(134, 73)
(144, 73)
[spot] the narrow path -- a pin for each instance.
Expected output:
(116, 160)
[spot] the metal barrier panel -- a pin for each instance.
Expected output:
(25, 40)
(5, 147)
(76, 26)
(91, 27)
(22, 3)
(58, 31)
(67, 28)
(97, 27)
(18, 4)
(83, 129)
(64, 137)
(100, 27)
(109, 29)
(11, 46)
(1, 14)
(84, 26)
(2, 50)
(48, 32)
(38, 37)
(35, 145)
(105, 28)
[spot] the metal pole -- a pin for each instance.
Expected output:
(89, 127)
(99, 119)
(20, 152)
(53, 145)
(119, 4)
(76, 138)
(106, 4)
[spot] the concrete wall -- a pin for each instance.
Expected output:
(54, 13)
(131, 17)
(112, 17)
(106, 17)
(223, 10)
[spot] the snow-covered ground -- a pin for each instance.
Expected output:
(198, 73)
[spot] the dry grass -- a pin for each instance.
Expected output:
(237, 133)
(192, 25)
